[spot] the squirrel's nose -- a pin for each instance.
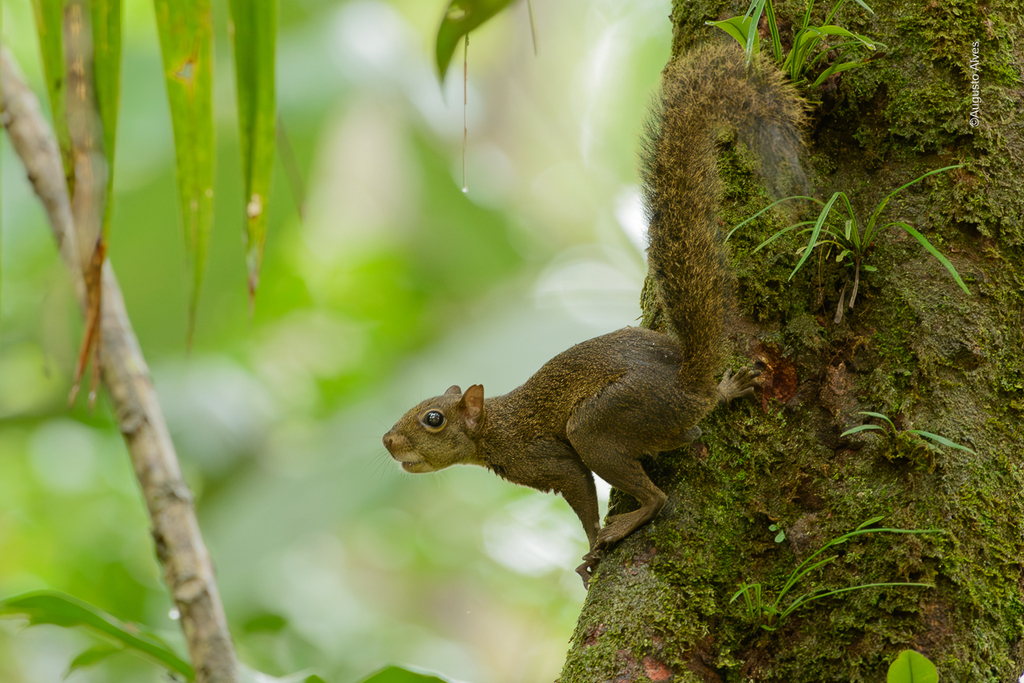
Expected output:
(388, 440)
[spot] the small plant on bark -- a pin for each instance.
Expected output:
(845, 239)
(759, 608)
(892, 431)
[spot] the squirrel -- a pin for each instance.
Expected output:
(600, 406)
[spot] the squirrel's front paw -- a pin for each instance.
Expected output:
(738, 385)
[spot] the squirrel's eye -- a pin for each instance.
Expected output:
(433, 418)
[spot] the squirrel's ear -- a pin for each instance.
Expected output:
(473, 405)
(453, 390)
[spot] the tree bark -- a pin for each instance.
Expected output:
(188, 570)
(914, 347)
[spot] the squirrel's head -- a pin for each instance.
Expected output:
(439, 432)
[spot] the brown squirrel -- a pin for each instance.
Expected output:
(606, 402)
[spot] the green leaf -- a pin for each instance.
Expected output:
(401, 674)
(60, 609)
(861, 428)
(186, 34)
(106, 43)
(92, 656)
(816, 231)
(880, 416)
(254, 24)
(834, 69)
(869, 522)
(870, 232)
(461, 17)
(739, 29)
(249, 675)
(770, 206)
(818, 595)
(935, 252)
(941, 439)
(773, 31)
(49, 23)
(839, 31)
(912, 667)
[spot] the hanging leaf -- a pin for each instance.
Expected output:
(106, 43)
(186, 32)
(92, 656)
(461, 17)
(912, 667)
(49, 23)
(60, 609)
(254, 31)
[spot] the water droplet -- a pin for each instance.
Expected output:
(465, 189)
(174, 613)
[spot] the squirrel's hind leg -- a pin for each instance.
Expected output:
(619, 465)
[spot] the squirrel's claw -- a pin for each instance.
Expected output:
(590, 562)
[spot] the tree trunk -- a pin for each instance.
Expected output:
(914, 347)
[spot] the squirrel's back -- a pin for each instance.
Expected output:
(709, 89)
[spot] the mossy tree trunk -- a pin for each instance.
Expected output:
(914, 347)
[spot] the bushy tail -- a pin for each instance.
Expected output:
(709, 89)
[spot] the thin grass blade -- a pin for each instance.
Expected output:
(834, 69)
(773, 31)
(861, 428)
(942, 440)
(881, 206)
(880, 416)
(822, 217)
(810, 597)
(869, 522)
(254, 32)
(935, 252)
(773, 204)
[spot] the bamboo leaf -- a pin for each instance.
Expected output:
(461, 17)
(52, 607)
(106, 41)
(254, 31)
(49, 26)
(186, 31)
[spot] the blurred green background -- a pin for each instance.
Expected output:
(394, 285)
